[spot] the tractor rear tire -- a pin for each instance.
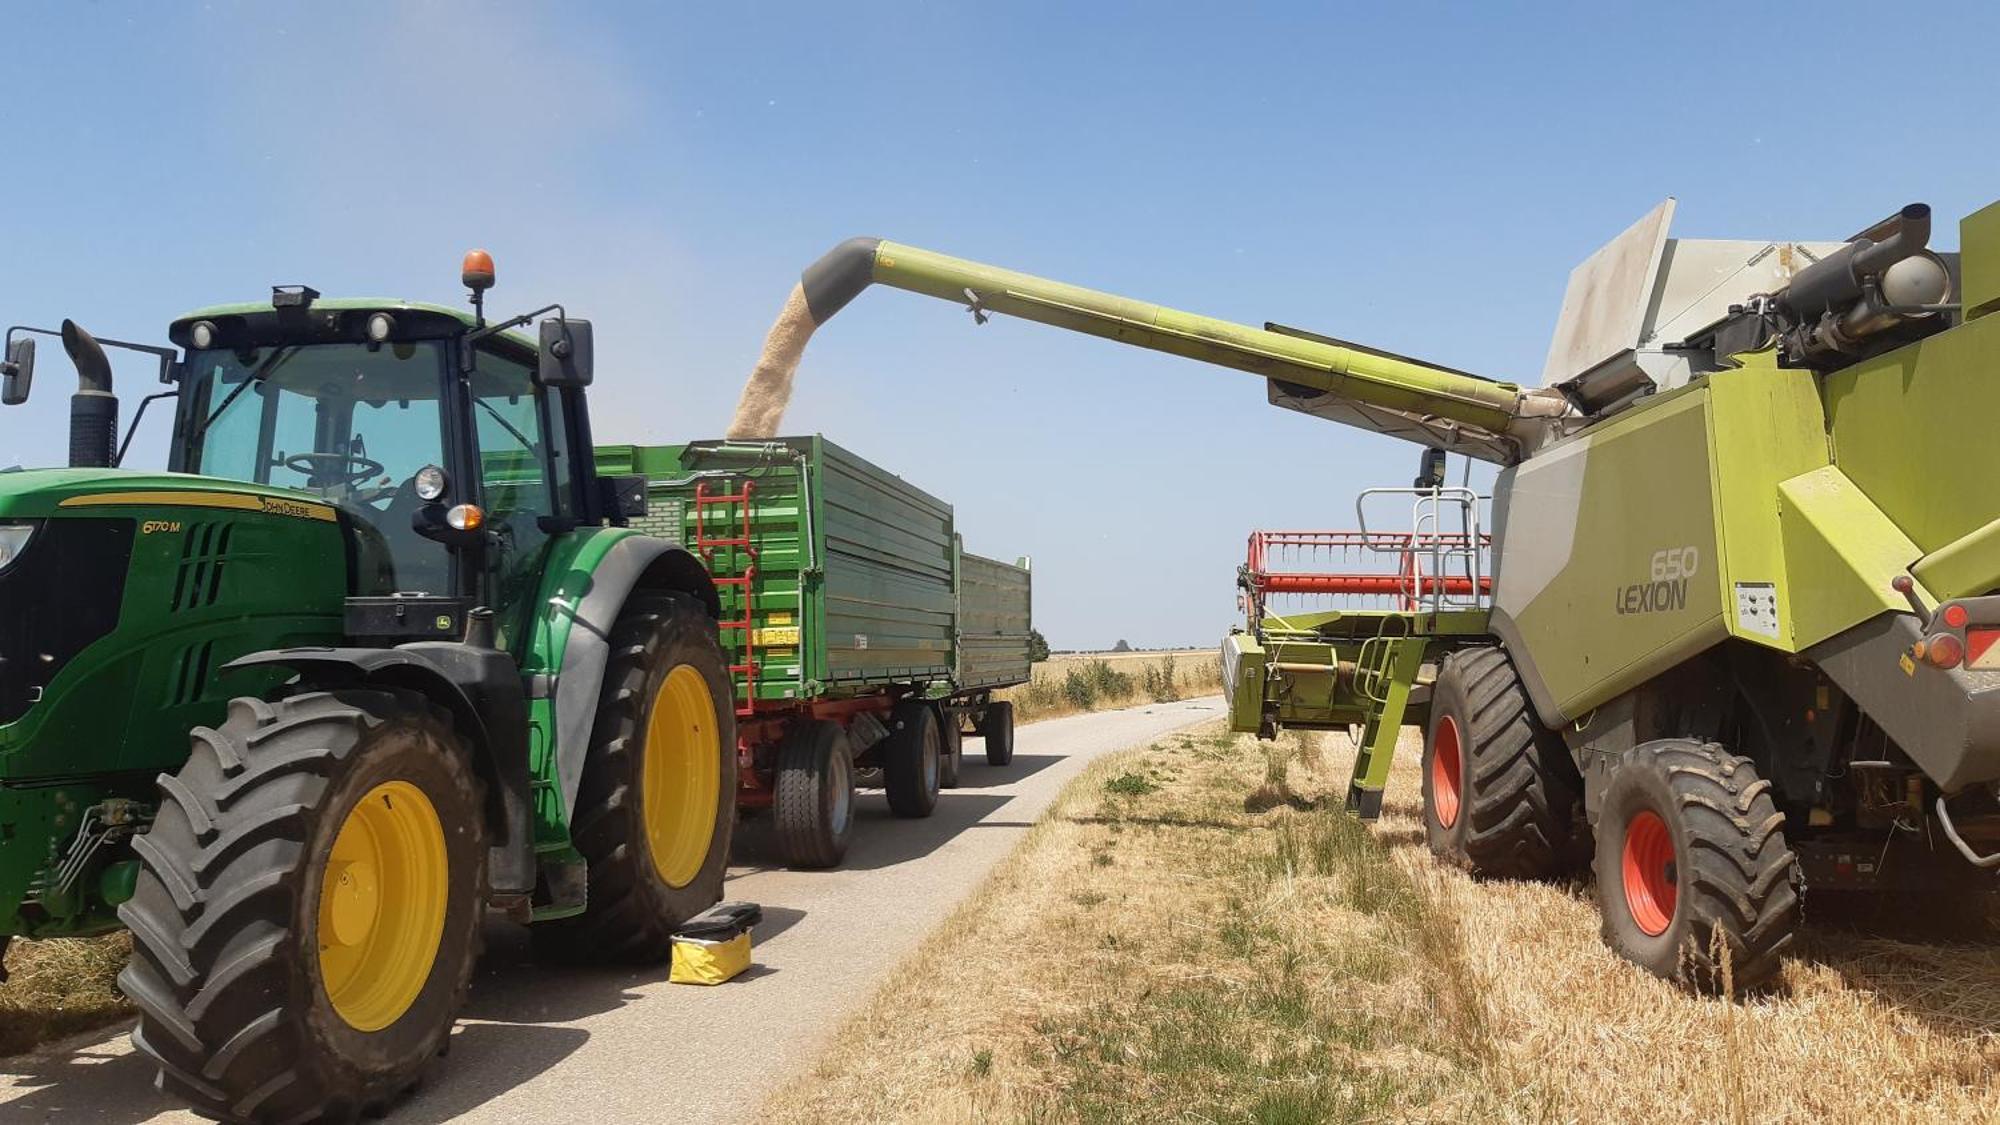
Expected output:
(307, 913)
(997, 728)
(1694, 879)
(911, 759)
(953, 755)
(1501, 795)
(813, 808)
(656, 806)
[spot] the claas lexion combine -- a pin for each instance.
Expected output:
(1732, 626)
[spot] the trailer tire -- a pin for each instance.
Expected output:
(307, 914)
(1501, 795)
(813, 808)
(910, 759)
(656, 806)
(997, 728)
(1695, 881)
(953, 753)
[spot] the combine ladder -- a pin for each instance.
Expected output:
(1385, 671)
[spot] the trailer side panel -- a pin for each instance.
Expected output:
(994, 600)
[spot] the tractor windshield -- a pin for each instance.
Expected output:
(345, 423)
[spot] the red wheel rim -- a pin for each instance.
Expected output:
(1445, 773)
(1651, 882)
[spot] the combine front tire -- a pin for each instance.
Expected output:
(1500, 793)
(911, 759)
(307, 916)
(813, 809)
(1693, 868)
(657, 803)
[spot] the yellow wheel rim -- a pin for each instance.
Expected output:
(683, 776)
(382, 905)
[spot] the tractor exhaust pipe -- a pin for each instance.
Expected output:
(93, 410)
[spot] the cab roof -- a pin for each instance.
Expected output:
(331, 319)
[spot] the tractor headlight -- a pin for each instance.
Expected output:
(13, 540)
(431, 484)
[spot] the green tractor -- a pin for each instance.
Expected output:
(1737, 634)
(377, 653)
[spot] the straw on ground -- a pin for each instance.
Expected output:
(1196, 932)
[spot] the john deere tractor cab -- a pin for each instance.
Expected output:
(375, 654)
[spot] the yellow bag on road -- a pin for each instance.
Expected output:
(709, 962)
(714, 946)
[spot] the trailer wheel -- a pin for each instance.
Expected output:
(657, 803)
(910, 759)
(997, 728)
(1501, 795)
(813, 809)
(953, 750)
(307, 913)
(1692, 864)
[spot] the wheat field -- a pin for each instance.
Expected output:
(1070, 683)
(1196, 932)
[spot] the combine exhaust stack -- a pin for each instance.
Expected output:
(1392, 394)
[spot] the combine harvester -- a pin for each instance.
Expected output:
(1738, 616)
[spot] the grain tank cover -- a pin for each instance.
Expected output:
(1643, 292)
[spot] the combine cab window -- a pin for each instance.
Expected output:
(344, 423)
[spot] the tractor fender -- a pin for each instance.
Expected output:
(481, 688)
(634, 562)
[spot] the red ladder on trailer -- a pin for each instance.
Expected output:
(740, 550)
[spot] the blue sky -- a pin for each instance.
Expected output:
(1419, 176)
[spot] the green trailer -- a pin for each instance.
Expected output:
(860, 633)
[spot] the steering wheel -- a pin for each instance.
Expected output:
(327, 469)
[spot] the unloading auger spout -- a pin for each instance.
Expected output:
(1392, 394)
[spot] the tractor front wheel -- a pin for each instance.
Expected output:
(307, 916)
(657, 803)
(1694, 878)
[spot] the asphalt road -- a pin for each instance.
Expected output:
(615, 1045)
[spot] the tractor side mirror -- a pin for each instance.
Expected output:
(566, 353)
(17, 373)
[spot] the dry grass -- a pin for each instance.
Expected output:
(1195, 933)
(1078, 682)
(60, 987)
